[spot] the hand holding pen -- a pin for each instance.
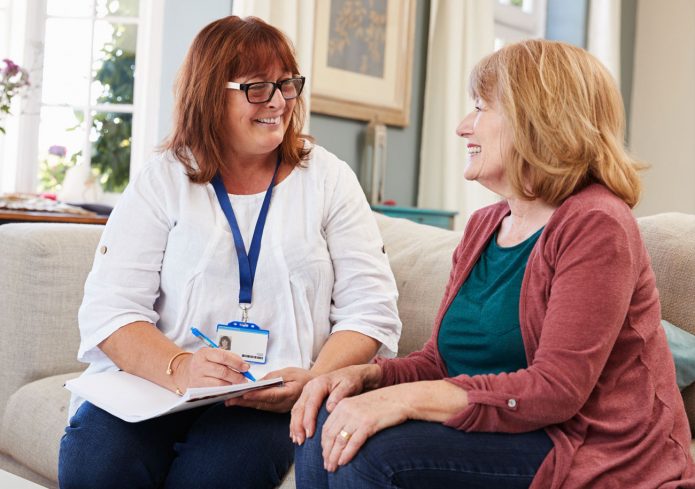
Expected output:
(198, 334)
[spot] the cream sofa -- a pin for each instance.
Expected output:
(42, 272)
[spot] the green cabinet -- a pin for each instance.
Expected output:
(431, 217)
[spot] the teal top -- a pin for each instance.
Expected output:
(480, 332)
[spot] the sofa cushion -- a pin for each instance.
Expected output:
(670, 240)
(33, 423)
(420, 257)
(44, 266)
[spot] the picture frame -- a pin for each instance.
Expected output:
(363, 59)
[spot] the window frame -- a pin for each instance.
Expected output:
(514, 24)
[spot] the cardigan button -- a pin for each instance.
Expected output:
(103, 249)
(511, 403)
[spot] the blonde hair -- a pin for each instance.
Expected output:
(566, 117)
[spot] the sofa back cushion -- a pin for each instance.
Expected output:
(670, 240)
(44, 267)
(420, 257)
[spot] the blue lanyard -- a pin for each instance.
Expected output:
(247, 263)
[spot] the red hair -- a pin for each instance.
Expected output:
(225, 50)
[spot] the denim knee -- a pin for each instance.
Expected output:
(99, 450)
(239, 447)
(308, 469)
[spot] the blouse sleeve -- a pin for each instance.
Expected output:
(124, 281)
(364, 293)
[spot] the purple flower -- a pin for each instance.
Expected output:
(13, 81)
(11, 68)
(57, 150)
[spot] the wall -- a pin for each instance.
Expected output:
(345, 137)
(182, 21)
(663, 104)
(566, 21)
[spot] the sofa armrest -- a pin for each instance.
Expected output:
(44, 267)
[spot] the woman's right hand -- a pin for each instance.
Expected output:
(210, 367)
(333, 386)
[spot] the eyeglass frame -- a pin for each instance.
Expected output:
(244, 87)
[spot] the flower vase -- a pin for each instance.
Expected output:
(80, 185)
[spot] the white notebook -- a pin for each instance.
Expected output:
(134, 399)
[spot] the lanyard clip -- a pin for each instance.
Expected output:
(245, 312)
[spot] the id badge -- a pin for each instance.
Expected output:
(245, 339)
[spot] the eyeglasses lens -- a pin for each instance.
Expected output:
(291, 88)
(259, 92)
(262, 92)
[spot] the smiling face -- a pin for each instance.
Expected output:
(257, 129)
(489, 145)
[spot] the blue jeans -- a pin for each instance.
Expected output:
(211, 446)
(419, 454)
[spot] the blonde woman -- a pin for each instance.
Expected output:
(547, 367)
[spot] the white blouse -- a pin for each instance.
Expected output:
(167, 257)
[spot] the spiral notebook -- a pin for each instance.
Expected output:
(132, 398)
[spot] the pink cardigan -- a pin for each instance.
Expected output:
(601, 379)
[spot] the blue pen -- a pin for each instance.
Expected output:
(199, 334)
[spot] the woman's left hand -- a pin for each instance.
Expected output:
(355, 419)
(276, 399)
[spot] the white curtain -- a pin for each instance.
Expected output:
(296, 19)
(461, 32)
(603, 34)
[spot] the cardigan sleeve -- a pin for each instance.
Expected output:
(594, 256)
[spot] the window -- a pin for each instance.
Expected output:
(87, 97)
(518, 19)
(90, 64)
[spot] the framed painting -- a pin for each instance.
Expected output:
(363, 57)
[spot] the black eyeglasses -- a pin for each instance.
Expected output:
(262, 92)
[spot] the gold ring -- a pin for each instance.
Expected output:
(345, 435)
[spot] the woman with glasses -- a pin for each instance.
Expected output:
(242, 228)
(547, 367)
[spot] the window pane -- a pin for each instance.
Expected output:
(526, 5)
(61, 139)
(122, 8)
(66, 62)
(70, 8)
(111, 137)
(114, 63)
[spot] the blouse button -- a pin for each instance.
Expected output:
(103, 249)
(511, 403)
